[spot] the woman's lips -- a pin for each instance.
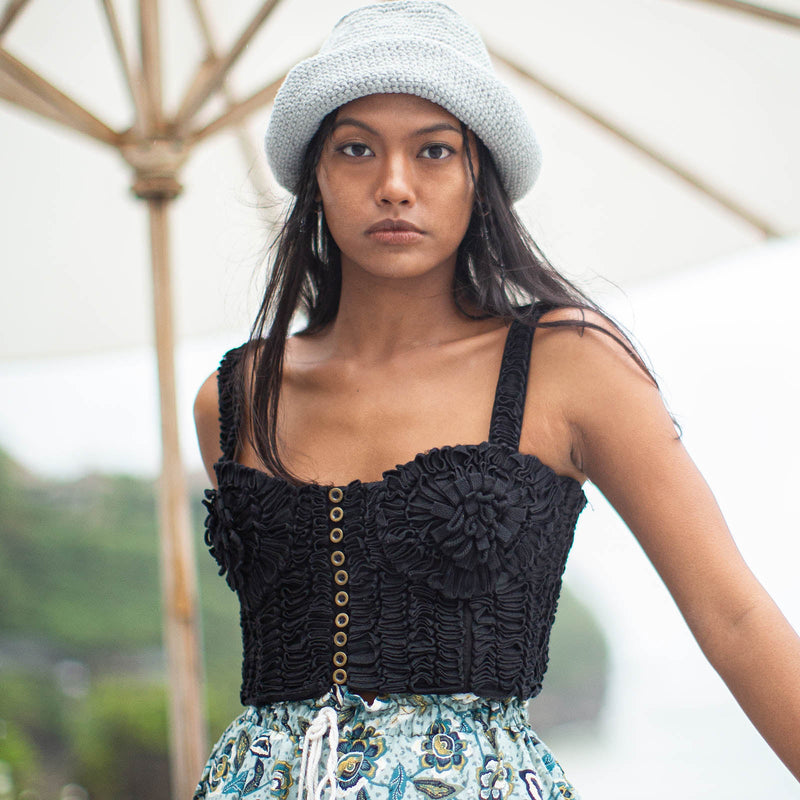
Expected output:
(390, 231)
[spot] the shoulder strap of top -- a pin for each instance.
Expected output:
(509, 398)
(229, 402)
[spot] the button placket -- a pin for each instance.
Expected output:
(340, 578)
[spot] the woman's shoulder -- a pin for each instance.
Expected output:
(218, 382)
(596, 378)
(583, 368)
(213, 399)
(207, 425)
(585, 342)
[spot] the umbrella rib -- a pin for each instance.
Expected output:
(74, 115)
(205, 28)
(200, 92)
(755, 10)
(134, 86)
(18, 94)
(693, 180)
(239, 111)
(249, 151)
(13, 7)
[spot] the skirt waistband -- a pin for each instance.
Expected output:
(402, 714)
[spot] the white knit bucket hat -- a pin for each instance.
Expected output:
(419, 47)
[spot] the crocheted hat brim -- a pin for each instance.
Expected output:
(402, 65)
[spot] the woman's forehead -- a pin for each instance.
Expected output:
(394, 107)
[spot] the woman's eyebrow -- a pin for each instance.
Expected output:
(439, 126)
(355, 122)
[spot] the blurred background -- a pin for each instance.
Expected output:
(669, 192)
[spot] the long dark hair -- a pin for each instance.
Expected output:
(500, 272)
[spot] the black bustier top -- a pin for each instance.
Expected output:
(442, 577)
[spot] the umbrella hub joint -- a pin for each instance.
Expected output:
(156, 164)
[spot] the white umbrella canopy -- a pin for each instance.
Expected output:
(712, 89)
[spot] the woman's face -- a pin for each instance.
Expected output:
(395, 185)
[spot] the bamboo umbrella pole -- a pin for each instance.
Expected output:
(756, 11)
(151, 64)
(156, 164)
(202, 90)
(179, 579)
(695, 181)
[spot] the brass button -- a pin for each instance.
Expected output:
(340, 638)
(341, 577)
(336, 535)
(342, 620)
(339, 658)
(339, 676)
(341, 599)
(335, 495)
(337, 558)
(336, 513)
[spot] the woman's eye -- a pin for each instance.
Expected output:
(356, 150)
(436, 151)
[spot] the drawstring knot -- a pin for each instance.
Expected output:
(326, 722)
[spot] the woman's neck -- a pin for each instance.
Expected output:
(381, 317)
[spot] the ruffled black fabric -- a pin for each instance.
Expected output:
(249, 530)
(455, 519)
(229, 402)
(509, 402)
(454, 562)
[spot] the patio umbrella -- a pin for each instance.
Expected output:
(705, 89)
(158, 136)
(155, 146)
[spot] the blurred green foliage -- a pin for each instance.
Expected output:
(120, 746)
(82, 695)
(79, 586)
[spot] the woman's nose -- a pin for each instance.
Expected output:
(395, 183)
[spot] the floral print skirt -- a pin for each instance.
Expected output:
(405, 746)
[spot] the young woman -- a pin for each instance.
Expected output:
(397, 483)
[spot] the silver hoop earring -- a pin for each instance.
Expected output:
(319, 241)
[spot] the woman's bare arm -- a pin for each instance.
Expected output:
(206, 420)
(626, 444)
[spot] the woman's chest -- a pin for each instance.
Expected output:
(356, 424)
(461, 520)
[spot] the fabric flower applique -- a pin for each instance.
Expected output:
(468, 516)
(250, 552)
(358, 754)
(443, 749)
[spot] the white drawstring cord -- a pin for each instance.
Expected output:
(326, 721)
